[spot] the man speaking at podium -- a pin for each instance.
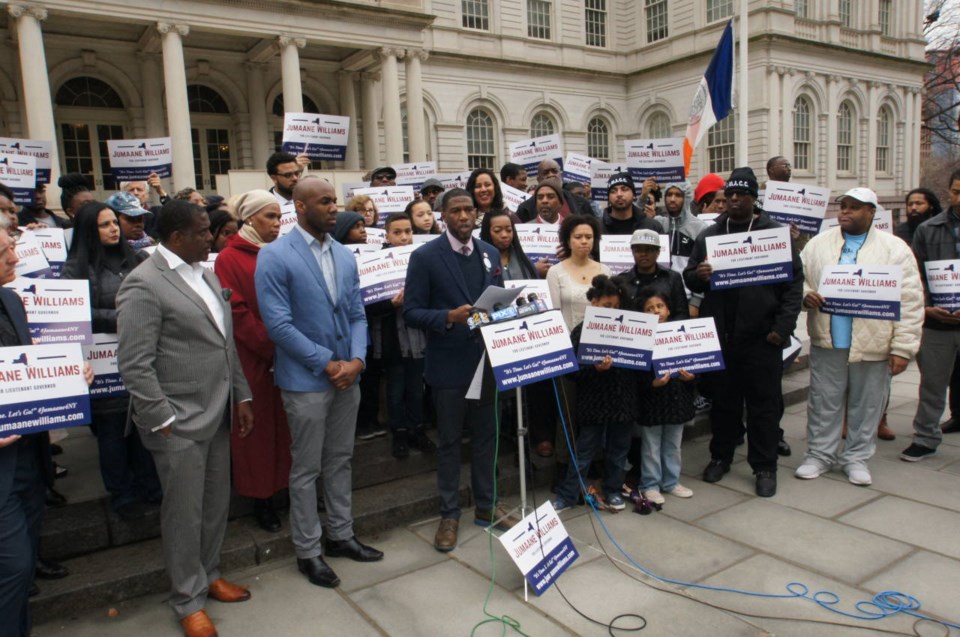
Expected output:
(444, 278)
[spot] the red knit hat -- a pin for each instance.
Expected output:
(711, 182)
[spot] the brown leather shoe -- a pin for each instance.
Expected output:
(198, 625)
(223, 591)
(446, 538)
(883, 431)
(482, 517)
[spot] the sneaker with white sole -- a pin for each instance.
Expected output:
(681, 491)
(916, 452)
(560, 504)
(615, 502)
(809, 471)
(654, 496)
(859, 476)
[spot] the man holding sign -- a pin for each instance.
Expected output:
(754, 322)
(853, 358)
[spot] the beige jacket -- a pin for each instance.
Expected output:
(872, 339)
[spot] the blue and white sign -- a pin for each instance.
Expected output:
(625, 336)
(616, 253)
(376, 237)
(54, 246)
(797, 204)
(661, 159)
(600, 174)
(137, 159)
(102, 356)
(577, 167)
(42, 387)
(539, 241)
(530, 152)
(454, 180)
(540, 547)
(39, 150)
(414, 175)
(691, 345)
(31, 260)
(19, 174)
(863, 291)
(943, 283)
(316, 136)
(58, 310)
(529, 349)
(513, 197)
(750, 258)
(388, 199)
(383, 273)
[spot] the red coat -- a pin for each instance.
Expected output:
(261, 461)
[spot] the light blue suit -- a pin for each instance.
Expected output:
(310, 328)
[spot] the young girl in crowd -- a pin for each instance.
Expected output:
(421, 216)
(606, 411)
(666, 403)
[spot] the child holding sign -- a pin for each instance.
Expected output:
(666, 404)
(605, 411)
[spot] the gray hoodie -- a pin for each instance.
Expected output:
(683, 230)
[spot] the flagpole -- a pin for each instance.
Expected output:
(742, 94)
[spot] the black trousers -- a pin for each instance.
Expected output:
(751, 381)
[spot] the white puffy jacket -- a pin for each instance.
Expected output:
(872, 339)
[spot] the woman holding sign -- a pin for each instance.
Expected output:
(261, 460)
(101, 255)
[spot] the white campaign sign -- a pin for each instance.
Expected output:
(882, 220)
(513, 197)
(529, 349)
(388, 199)
(943, 283)
(692, 345)
(540, 547)
(577, 167)
(58, 310)
(42, 387)
(616, 253)
(661, 159)
(30, 254)
(53, 242)
(38, 149)
(530, 152)
(865, 291)
(798, 204)
(383, 273)
(316, 136)
(102, 356)
(19, 174)
(414, 175)
(750, 258)
(625, 336)
(539, 241)
(137, 159)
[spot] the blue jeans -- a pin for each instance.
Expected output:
(615, 441)
(127, 469)
(404, 393)
(660, 457)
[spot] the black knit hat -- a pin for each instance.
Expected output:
(624, 179)
(743, 179)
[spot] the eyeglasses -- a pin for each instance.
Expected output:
(290, 175)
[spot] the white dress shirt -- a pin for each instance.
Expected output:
(323, 253)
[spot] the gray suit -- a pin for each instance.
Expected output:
(176, 363)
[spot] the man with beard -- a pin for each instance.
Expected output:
(571, 204)
(922, 204)
(623, 216)
(285, 171)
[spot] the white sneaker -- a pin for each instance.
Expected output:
(654, 496)
(681, 491)
(859, 476)
(809, 471)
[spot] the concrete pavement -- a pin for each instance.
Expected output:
(898, 534)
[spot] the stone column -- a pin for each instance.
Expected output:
(38, 105)
(831, 147)
(290, 69)
(392, 120)
(256, 106)
(416, 134)
(914, 96)
(178, 110)
(151, 86)
(371, 143)
(348, 107)
(775, 109)
(869, 121)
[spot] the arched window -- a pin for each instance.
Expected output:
(203, 99)
(542, 125)
(88, 92)
(658, 126)
(481, 148)
(598, 139)
(721, 147)
(884, 134)
(802, 156)
(845, 138)
(309, 106)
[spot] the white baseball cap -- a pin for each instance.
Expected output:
(863, 195)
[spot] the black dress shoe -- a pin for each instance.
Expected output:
(353, 549)
(50, 570)
(766, 484)
(783, 449)
(715, 470)
(55, 498)
(952, 426)
(266, 515)
(318, 572)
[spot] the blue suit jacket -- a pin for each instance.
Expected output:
(8, 455)
(309, 327)
(434, 286)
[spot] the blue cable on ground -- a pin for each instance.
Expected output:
(881, 606)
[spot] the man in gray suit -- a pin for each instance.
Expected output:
(179, 363)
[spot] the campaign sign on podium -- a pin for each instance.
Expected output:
(383, 273)
(58, 310)
(750, 258)
(42, 387)
(692, 345)
(943, 282)
(625, 336)
(102, 356)
(801, 205)
(528, 349)
(316, 136)
(137, 159)
(863, 291)
(540, 547)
